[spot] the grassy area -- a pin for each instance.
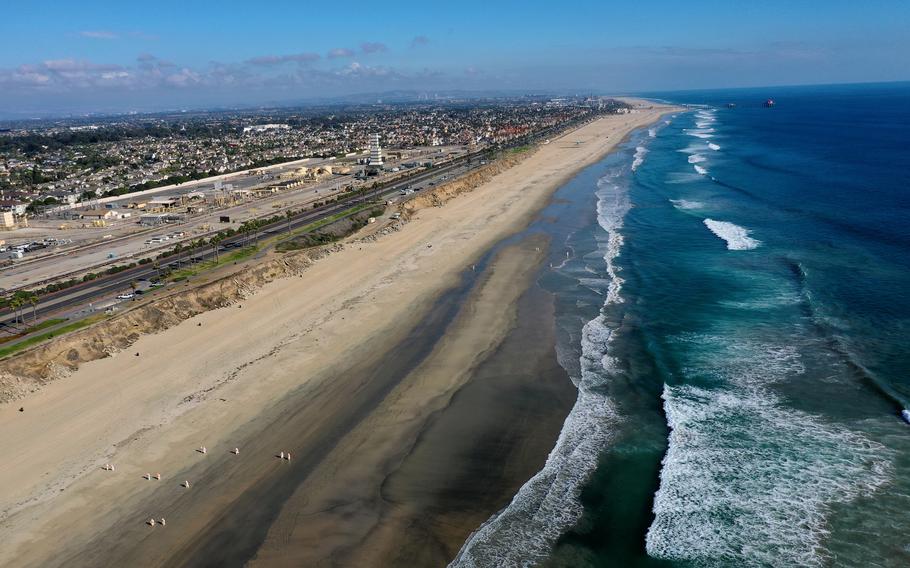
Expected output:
(43, 325)
(519, 149)
(10, 349)
(226, 258)
(327, 221)
(286, 242)
(246, 252)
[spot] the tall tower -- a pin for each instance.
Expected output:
(375, 151)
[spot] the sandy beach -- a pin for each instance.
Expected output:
(414, 392)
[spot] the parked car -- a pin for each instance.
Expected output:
(128, 296)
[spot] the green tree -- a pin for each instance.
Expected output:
(33, 300)
(15, 303)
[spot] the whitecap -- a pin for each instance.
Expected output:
(736, 237)
(696, 158)
(639, 157)
(702, 133)
(713, 146)
(652, 132)
(700, 170)
(746, 480)
(685, 204)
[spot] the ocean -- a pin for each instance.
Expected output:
(731, 293)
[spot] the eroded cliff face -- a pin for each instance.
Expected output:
(27, 371)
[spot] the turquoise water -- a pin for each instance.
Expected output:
(732, 304)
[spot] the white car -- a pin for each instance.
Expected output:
(126, 296)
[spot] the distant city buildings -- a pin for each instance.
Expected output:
(70, 162)
(257, 128)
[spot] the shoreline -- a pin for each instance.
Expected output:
(290, 337)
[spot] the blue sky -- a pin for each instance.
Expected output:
(98, 56)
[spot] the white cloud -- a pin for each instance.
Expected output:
(98, 34)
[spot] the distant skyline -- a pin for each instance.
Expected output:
(93, 56)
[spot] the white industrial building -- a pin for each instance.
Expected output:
(375, 151)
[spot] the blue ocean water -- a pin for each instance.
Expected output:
(734, 310)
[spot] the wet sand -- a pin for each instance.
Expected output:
(378, 369)
(474, 456)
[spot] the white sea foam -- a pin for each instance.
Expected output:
(703, 123)
(746, 480)
(770, 301)
(652, 132)
(736, 237)
(597, 285)
(696, 159)
(703, 133)
(713, 146)
(686, 205)
(700, 170)
(639, 157)
(523, 533)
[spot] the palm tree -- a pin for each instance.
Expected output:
(8, 301)
(16, 303)
(33, 300)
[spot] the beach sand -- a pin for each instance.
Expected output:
(415, 395)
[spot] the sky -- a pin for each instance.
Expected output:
(99, 56)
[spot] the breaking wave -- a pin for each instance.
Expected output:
(639, 157)
(686, 205)
(722, 500)
(736, 237)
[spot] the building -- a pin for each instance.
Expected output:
(7, 221)
(163, 202)
(153, 219)
(17, 208)
(257, 128)
(94, 214)
(375, 151)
